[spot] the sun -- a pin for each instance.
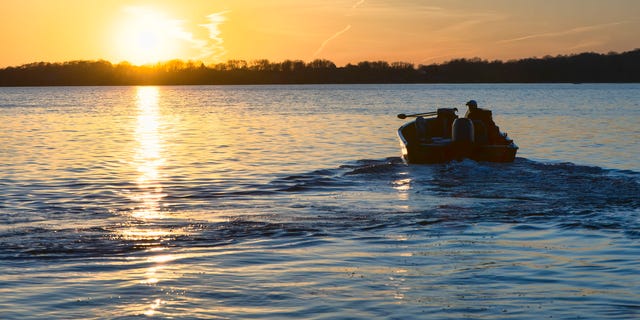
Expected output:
(147, 36)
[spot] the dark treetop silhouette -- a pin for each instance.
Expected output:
(584, 67)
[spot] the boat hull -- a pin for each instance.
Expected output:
(441, 150)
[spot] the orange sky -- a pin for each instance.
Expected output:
(343, 31)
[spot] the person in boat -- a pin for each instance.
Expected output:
(482, 115)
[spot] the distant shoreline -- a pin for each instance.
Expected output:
(577, 69)
(316, 84)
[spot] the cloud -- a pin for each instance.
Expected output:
(324, 44)
(214, 48)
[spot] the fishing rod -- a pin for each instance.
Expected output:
(423, 114)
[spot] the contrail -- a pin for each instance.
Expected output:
(354, 7)
(563, 33)
(337, 34)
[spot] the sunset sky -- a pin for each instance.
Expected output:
(343, 31)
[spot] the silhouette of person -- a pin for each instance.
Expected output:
(482, 115)
(473, 110)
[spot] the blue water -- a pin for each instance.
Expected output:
(275, 202)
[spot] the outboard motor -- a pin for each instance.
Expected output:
(462, 137)
(462, 131)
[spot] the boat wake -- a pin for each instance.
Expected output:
(352, 198)
(523, 192)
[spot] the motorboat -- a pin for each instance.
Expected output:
(441, 136)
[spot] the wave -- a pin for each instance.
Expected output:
(360, 196)
(121, 240)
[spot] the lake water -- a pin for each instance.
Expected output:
(292, 202)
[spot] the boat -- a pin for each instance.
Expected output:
(441, 136)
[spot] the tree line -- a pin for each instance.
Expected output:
(583, 67)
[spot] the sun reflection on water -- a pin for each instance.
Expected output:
(148, 157)
(148, 162)
(403, 187)
(152, 309)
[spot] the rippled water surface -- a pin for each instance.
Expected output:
(292, 202)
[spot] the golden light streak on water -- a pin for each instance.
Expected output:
(403, 186)
(152, 308)
(147, 163)
(148, 157)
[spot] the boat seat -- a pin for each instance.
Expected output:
(445, 119)
(422, 130)
(426, 129)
